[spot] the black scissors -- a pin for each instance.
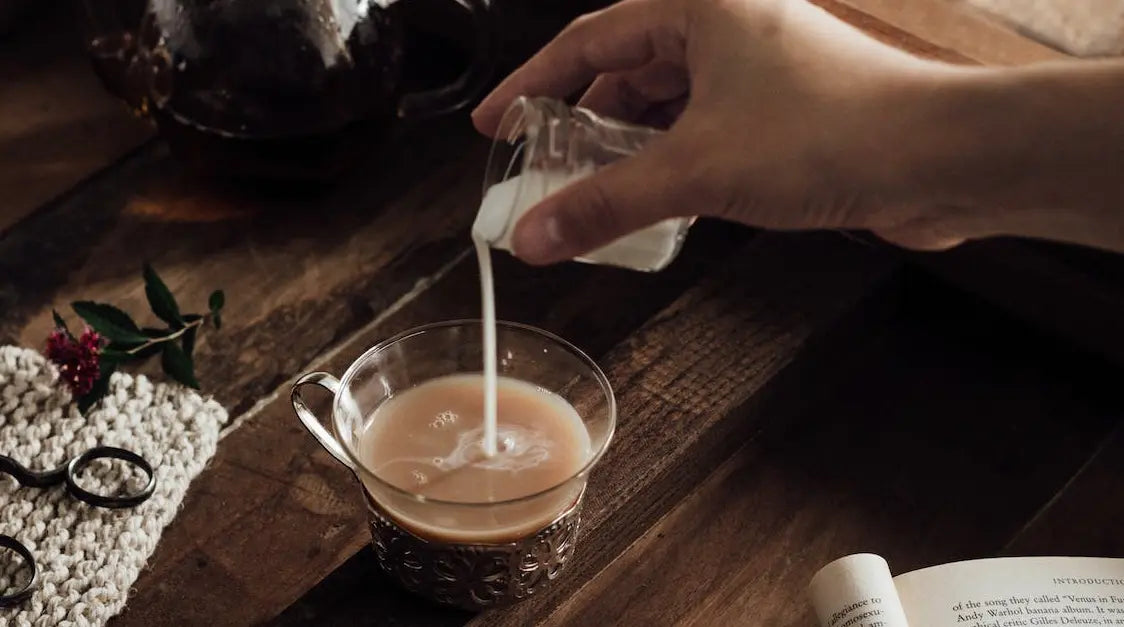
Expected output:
(68, 474)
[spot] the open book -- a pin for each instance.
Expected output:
(858, 591)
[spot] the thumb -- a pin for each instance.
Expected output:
(618, 199)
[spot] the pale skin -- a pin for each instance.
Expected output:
(783, 117)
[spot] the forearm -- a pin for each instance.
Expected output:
(1034, 152)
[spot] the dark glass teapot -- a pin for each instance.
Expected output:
(278, 89)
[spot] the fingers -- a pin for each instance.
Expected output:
(614, 201)
(622, 37)
(629, 95)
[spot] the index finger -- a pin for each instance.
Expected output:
(624, 36)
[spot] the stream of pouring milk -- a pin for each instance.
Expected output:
(488, 305)
(502, 206)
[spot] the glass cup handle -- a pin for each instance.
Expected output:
(311, 422)
(455, 95)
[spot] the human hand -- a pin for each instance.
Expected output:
(784, 117)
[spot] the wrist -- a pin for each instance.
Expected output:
(1034, 152)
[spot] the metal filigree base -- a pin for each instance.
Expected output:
(474, 576)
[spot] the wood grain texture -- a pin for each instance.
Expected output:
(1074, 294)
(691, 382)
(299, 272)
(890, 33)
(57, 124)
(934, 443)
(1086, 517)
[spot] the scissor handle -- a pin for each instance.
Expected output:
(8, 600)
(78, 464)
(30, 478)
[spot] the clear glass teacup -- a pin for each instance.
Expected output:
(473, 555)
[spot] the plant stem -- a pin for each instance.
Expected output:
(166, 338)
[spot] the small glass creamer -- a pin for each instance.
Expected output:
(543, 145)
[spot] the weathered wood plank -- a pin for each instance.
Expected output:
(1074, 294)
(692, 383)
(57, 124)
(300, 273)
(1085, 518)
(932, 444)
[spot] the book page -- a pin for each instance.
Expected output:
(856, 591)
(1015, 592)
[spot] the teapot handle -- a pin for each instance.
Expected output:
(455, 95)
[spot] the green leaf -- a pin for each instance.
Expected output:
(147, 351)
(178, 365)
(160, 298)
(60, 323)
(216, 301)
(110, 322)
(87, 401)
(189, 341)
(106, 368)
(101, 387)
(113, 356)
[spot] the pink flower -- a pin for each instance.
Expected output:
(77, 359)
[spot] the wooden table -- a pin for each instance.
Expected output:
(784, 399)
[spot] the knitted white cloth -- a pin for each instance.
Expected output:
(89, 557)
